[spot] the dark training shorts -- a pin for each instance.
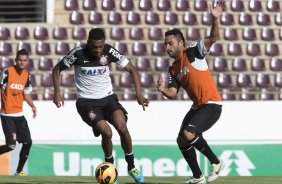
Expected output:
(95, 110)
(201, 119)
(15, 129)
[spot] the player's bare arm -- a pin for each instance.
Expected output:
(137, 84)
(58, 99)
(214, 34)
(28, 99)
(167, 92)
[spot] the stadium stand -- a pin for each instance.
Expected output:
(245, 60)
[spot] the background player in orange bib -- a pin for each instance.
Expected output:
(15, 88)
(190, 71)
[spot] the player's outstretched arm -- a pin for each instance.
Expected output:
(216, 13)
(58, 99)
(137, 84)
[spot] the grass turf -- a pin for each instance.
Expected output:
(128, 180)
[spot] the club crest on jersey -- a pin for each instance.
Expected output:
(103, 60)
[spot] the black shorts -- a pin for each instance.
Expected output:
(94, 110)
(15, 129)
(201, 119)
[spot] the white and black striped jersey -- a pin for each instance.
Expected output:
(92, 74)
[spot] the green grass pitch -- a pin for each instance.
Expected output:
(128, 180)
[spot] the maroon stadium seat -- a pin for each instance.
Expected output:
(143, 64)
(128, 95)
(249, 34)
(24, 45)
(155, 33)
(95, 17)
(253, 49)
(220, 64)
(117, 33)
(245, 19)
(182, 5)
(136, 33)
(127, 5)
(226, 19)
(22, 33)
(276, 64)
(42, 48)
(67, 80)
(163, 5)
(108, 5)
(114, 18)
(60, 33)
(40, 33)
(152, 18)
(5, 49)
(5, 33)
(125, 80)
(278, 19)
(158, 49)
(133, 18)
(271, 49)
(62, 48)
(263, 80)
(216, 50)
(207, 19)
(6, 62)
(255, 5)
(45, 64)
(257, 64)
(69, 95)
(266, 95)
(170, 18)
(230, 34)
(145, 5)
(71, 5)
(247, 95)
(228, 95)
(267, 34)
(162, 64)
(89, 5)
(189, 18)
(243, 80)
(224, 80)
(147, 80)
(76, 17)
(200, 5)
(239, 64)
(273, 6)
(237, 6)
(121, 47)
(193, 33)
(46, 80)
(139, 49)
(263, 19)
(278, 80)
(78, 33)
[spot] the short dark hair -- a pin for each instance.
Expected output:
(96, 34)
(22, 52)
(177, 33)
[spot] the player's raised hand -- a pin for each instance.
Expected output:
(218, 9)
(58, 100)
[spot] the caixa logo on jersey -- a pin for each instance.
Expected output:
(94, 72)
(17, 86)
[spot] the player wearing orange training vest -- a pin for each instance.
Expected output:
(15, 88)
(190, 71)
